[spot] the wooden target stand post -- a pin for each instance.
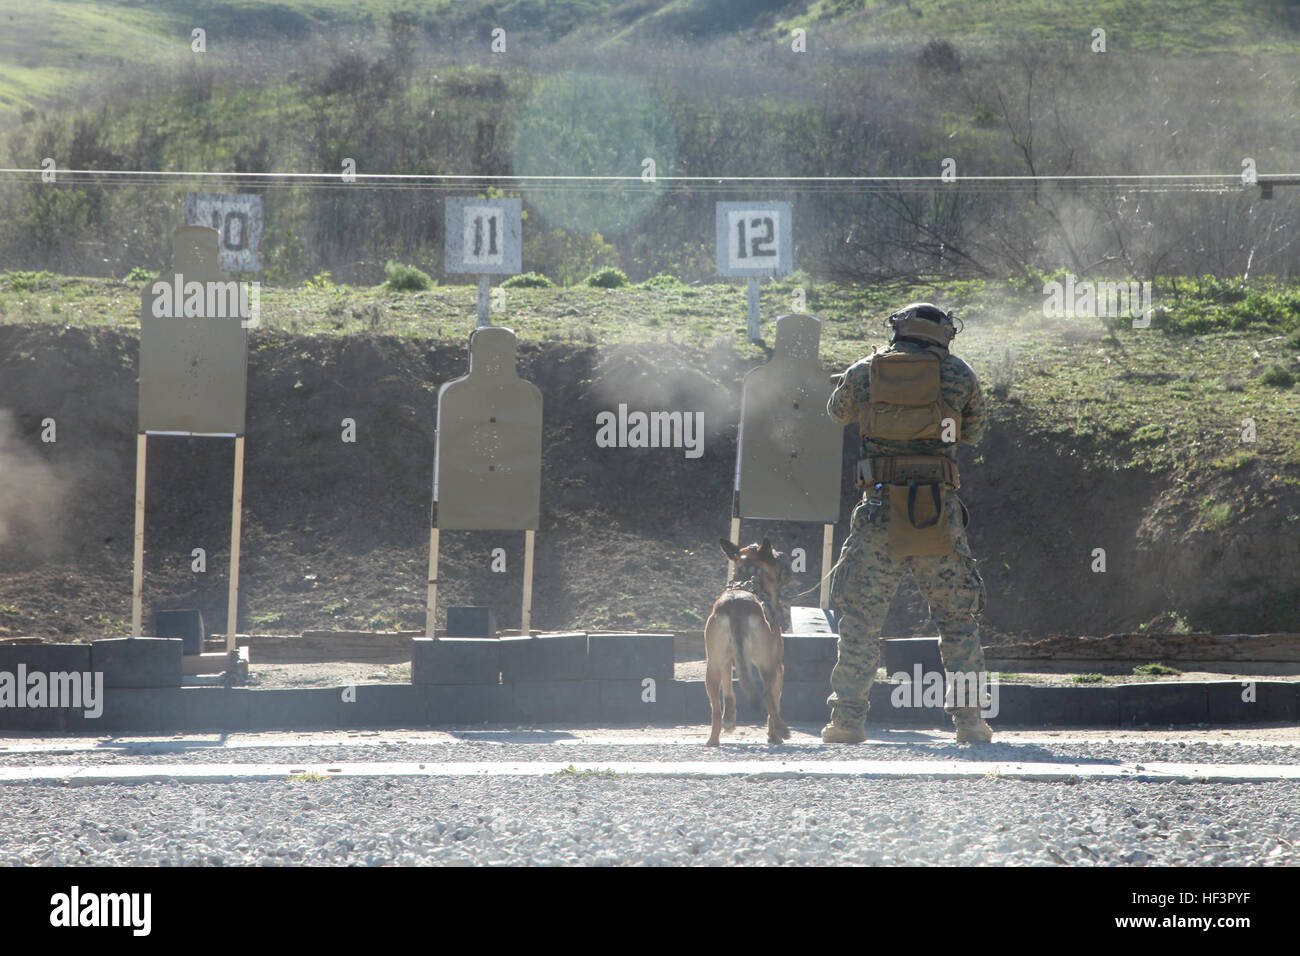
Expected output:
(193, 383)
(788, 450)
(487, 467)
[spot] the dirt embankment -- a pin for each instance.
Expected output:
(336, 533)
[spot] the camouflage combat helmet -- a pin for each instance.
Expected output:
(923, 321)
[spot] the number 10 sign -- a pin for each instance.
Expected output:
(754, 238)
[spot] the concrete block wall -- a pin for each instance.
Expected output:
(610, 679)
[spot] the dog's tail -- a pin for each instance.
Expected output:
(744, 669)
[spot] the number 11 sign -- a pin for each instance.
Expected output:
(754, 240)
(483, 236)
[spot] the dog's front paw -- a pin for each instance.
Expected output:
(711, 742)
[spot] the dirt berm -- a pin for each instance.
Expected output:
(336, 534)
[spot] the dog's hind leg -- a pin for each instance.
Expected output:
(728, 699)
(719, 663)
(773, 680)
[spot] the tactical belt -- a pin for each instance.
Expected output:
(905, 469)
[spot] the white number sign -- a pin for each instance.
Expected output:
(237, 217)
(754, 238)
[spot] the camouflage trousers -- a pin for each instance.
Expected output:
(863, 583)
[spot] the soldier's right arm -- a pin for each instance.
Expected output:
(850, 394)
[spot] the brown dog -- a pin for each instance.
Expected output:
(745, 630)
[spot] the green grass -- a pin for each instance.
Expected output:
(572, 771)
(1088, 678)
(309, 776)
(401, 278)
(1155, 670)
(1216, 514)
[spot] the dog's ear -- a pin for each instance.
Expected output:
(729, 549)
(766, 551)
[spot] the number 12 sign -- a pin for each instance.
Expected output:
(754, 238)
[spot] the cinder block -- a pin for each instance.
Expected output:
(383, 705)
(187, 625)
(1172, 702)
(458, 704)
(135, 709)
(554, 701)
(297, 708)
(138, 661)
(203, 709)
(63, 670)
(1273, 701)
(471, 622)
(810, 657)
(1015, 704)
(691, 702)
(623, 701)
(1074, 706)
(898, 703)
(546, 657)
(454, 660)
(812, 620)
(804, 701)
(904, 653)
(42, 719)
(49, 658)
(630, 656)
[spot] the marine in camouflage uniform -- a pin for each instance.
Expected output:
(866, 576)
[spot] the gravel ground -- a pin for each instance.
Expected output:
(504, 746)
(601, 820)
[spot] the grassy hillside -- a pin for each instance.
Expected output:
(53, 47)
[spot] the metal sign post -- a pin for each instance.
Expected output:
(487, 466)
(483, 237)
(754, 239)
(788, 449)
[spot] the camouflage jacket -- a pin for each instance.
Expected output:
(960, 387)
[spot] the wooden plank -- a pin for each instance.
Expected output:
(236, 524)
(137, 566)
(1167, 648)
(526, 622)
(1118, 667)
(209, 662)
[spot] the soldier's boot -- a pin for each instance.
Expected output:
(843, 730)
(971, 728)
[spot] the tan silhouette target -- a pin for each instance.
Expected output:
(789, 450)
(488, 458)
(193, 343)
(487, 471)
(193, 381)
